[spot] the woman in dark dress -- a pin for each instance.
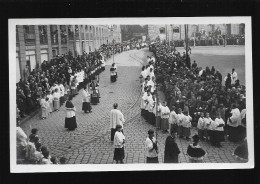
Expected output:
(195, 152)
(172, 151)
(70, 120)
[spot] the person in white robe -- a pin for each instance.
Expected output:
(151, 73)
(50, 101)
(180, 117)
(165, 114)
(62, 90)
(119, 140)
(151, 148)
(56, 100)
(173, 120)
(53, 87)
(200, 126)
(143, 104)
(86, 107)
(144, 85)
(233, 122)
(217, 135)
(234, 76)
(158, 114)
(149, 107)
(186, 124)
(45, 108)
(207, 126)
(116, 118)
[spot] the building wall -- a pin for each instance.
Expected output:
(29, 46)
(154, 30)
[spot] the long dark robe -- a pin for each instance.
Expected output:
(241, 151)
(171, 151)
(195, 151)
(70, 123)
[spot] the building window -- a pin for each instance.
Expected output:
(82, 32)
(31, 59)
(54, 34)
(241, 29)
(44, 55)
(43, 35)
(54, 52)
(29, 35)
(63, 34)
(71, 33)
(77, 32)
(162, 30)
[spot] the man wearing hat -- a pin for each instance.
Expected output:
(116, 118)
(151, 148)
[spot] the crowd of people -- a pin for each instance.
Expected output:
(58, 81)
(211, 41)
(31, 151)
(194, 98)
(48, 86)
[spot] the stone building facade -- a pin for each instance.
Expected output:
(36, 43)
(166, 31)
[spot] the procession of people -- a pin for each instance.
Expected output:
(195, 101)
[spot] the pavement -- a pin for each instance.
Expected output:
(90, 142)
(222, 58)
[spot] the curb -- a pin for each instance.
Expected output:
(27, 118)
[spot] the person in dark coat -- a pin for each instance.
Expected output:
(241, 151)
(171, 151)
(195, 152)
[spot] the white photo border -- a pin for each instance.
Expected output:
(14, 168)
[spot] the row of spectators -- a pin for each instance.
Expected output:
(60, 77)
(211, 41)
(32, 151)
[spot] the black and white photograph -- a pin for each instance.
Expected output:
(122, 94)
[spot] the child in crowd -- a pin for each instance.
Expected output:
(207, 127)
(200, 126)
(186, 124)
(180, 118)
(217, 135)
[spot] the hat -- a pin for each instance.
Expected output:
(195, 137)
(118, 126)
(150, 131)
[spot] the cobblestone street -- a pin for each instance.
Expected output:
(90, 142)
